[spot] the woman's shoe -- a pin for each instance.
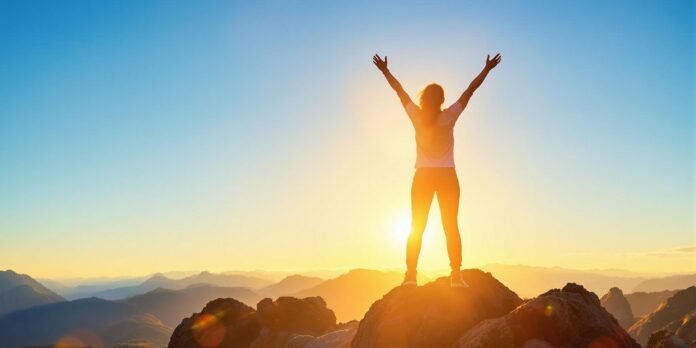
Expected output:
(456, 280)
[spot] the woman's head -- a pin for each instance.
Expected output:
(432, 97)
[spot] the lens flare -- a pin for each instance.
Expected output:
(208, 331)
(548, 311)
(603, 342)
(79, 338)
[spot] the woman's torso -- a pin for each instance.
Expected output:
(434, 135)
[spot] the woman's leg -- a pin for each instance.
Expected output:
(422, 191)
(448, 199)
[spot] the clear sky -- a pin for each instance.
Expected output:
(143, 136)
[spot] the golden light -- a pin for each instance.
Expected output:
(603, 342)
(401, 226)
(79, 338)
(208, 331)
(68, 342)
(548, 310)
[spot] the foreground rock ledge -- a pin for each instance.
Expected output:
(433, 315)
(570, 317)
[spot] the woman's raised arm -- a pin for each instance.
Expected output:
(490, 64)
(393, 82)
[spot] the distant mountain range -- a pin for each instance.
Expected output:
(674, 282)
(86, 322)
(142, 320)
(20, 291)
(527, 281)
(147, 310)
(170, 306)
(160, 281)
(530, 281)
(90, 288)
(289, 285)
(350, 295)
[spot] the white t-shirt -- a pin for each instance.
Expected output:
(434, 140)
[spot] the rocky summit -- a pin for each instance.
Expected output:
(485, 315)
(433, 315)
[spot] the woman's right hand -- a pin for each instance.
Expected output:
(491, 63)
(381, 64)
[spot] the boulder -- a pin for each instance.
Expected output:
(570, 317)
(666, 339)
(302, 316)
(222, 323)
(340, 338)
(228, 323)
(433, 315)
(616, 303)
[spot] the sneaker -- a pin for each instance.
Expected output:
(410, 279)
(456, 280)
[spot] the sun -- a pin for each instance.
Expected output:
(401, 226)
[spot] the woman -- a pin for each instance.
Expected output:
(434, 165)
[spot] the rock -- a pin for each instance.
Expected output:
(571, 317)
(340, 338)
(433, 315)
(687, 328)
(669, 314)
(616, 303)
(666, 339)
(287, 317)
(228, 323)
(222, 323)
(306, 316)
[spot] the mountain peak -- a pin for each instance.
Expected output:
(616, 303)
(19, 291)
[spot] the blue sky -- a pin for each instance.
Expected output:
(244, 134)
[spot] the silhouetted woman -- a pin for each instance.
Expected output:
(435, 172)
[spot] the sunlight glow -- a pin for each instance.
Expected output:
(401, 227)
(208, 331)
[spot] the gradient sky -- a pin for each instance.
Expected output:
(143, 136)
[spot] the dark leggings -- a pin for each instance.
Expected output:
(427, 182)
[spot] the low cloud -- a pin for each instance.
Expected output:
(689, 251)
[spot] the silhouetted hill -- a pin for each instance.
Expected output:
(171, 306)
(20, 291)
(528, 281)
(290, 285)
(92, 321)
(161, 281)
(675, 282)
(670, 314)
(615, 303)
(351, 294)
(643, 303)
